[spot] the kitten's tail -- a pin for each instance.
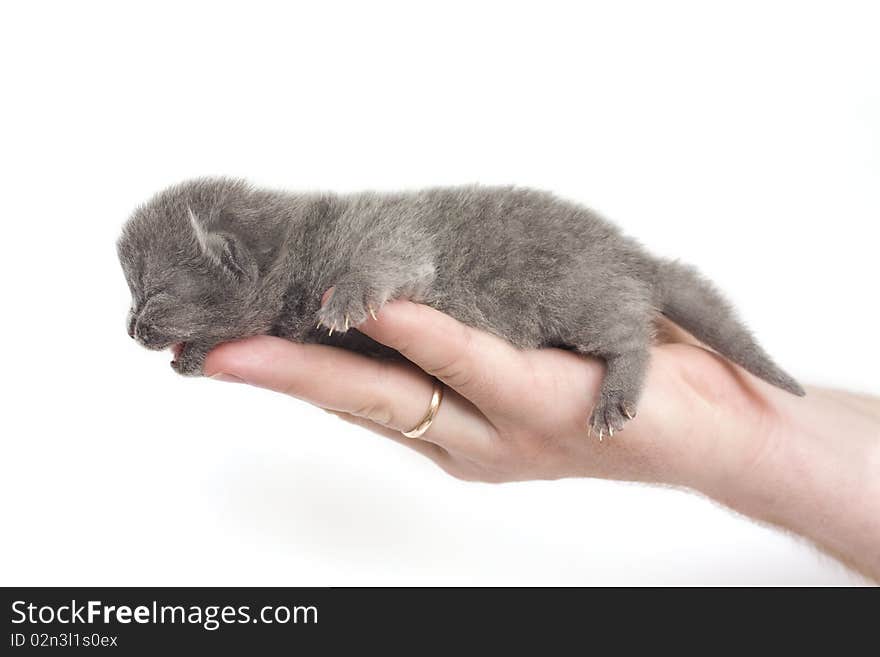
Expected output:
(693, 303)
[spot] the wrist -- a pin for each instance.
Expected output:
(814, 469)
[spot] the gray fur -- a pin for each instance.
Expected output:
(212, 260)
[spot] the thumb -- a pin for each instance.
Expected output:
(479, 366)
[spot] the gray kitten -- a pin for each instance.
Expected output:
(212, 260)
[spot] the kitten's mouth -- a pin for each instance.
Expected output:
(177, 349)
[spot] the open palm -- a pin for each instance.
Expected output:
(509, 414)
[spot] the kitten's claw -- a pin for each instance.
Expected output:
(351, 304)
(330, 333)
(189, 360)
(609, 415)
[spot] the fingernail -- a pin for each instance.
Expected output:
(229, 378)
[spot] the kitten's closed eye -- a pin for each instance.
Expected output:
(152, 294)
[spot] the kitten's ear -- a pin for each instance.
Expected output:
(223, 250)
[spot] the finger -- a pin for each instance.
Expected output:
(428, 449)
(395, 395)
(480, 366)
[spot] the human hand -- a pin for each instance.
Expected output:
(811, 465)
(509, 414)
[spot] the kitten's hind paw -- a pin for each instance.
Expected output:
(609, 415)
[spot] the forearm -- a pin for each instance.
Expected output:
(818, 475)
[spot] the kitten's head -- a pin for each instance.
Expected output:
(191, 264)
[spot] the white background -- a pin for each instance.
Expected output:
(744, 139)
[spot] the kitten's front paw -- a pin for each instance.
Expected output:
(189, 358)
(610, 414)
(349, 304)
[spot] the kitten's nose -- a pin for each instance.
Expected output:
(151, 336)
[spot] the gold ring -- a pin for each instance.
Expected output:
(419, 430)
